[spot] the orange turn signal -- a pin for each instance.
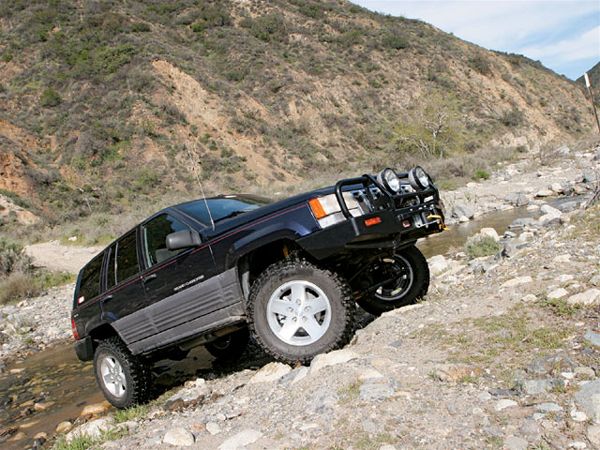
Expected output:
(317, 208)
(372, 221)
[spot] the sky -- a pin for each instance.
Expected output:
(563, 34)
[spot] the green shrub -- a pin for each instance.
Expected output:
(481, 64)
(50, 98)
(478, 246)
(481, 174)
(140, 27)
(13, 258)
(512, 118)
(211, 16)
(270, 27)
(394, 40)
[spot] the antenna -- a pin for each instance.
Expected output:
(194, 169)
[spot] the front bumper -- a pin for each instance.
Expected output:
(396, 228)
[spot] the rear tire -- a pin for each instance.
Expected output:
(124, 379)
(230, 347)
(297, 310)
(409, 284)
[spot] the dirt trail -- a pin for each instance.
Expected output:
(55, 256)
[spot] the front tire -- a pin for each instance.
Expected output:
(407, 275)
(125, 379)
(297, 310)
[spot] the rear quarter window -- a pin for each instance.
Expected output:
(89, 286)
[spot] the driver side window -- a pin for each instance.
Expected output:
(155, 235)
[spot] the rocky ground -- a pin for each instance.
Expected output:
(504, 352)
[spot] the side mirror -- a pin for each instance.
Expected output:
(183, 239)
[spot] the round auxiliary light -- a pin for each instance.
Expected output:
(418, 178)
(389, 180)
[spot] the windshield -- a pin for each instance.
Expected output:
(222, 208)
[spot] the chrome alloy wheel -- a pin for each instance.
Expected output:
(113, 376)
(299, 313)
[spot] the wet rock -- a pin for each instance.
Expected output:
(568, 206)
(557, 294)
(271, 372)
(331, 359)
(588, 399)
(64, 427)
(522, 223)
(516, 282)
(504, 403)
(515, 443)
(95, 409)
(589, 297)
(376, 389)
(42, 406)
(592, 337)
(544, 193)
(461, 210)
(517, 199)
(179, 437)
(240, 440)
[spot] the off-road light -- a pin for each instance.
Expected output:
(418, 178)
(389, 180)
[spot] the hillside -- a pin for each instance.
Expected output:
(105, 105)
(594, 74)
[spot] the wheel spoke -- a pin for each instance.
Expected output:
(298, 292)
(318, 305)
(312, 327)
(288, 329)
(280, 307)
(110, 363)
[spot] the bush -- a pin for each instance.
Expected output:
(12, 258)
(394, 41)
(478, 246)
(140, 27)
(50, 98)
(481, 64)
(481, 174)
(267, 28)
(16, 286)
(211, 16)
(512, 118)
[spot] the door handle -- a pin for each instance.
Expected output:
(107, 298)
(150, 278)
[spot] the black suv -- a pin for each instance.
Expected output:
(212, 271)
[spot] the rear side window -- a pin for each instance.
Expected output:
(127, 262)
(155, 238)
(90, 279)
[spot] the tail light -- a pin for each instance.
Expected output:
(74, 329)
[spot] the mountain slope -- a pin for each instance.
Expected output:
(106, 103)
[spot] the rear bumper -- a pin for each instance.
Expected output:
(84, 349)
(397, 228)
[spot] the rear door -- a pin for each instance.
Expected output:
(124, 292)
